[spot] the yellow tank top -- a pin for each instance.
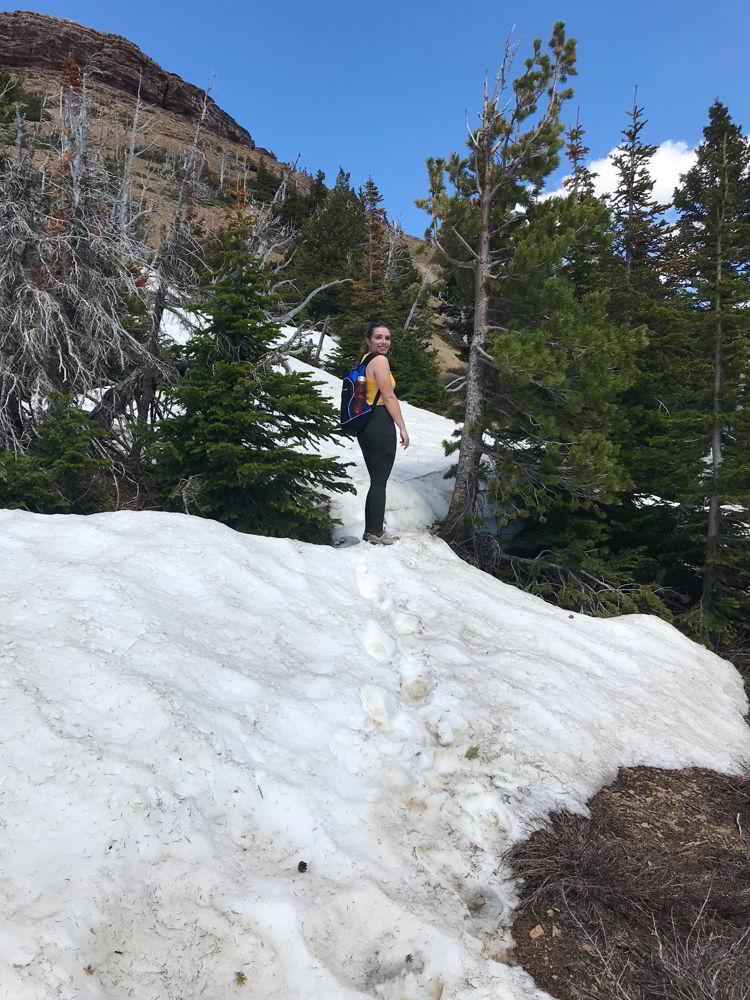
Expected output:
(372, 388)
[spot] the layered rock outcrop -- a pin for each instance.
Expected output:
(32, 41)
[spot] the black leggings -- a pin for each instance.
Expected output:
(378, 444)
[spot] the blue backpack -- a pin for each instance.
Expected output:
(355, 410)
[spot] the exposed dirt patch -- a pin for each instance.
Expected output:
(650, 897)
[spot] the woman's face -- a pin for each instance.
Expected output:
(380, 340)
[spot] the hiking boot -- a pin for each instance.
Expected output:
(381, 539)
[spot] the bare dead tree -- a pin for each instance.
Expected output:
(173, 283)
(427, 280)
(397, 256)
(127, 216)
(67, 274)
(222, 171)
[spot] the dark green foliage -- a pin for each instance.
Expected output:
(560, 365)
(233, 451)
(369, 290)
(566, 558)
(416, 369)
(10, 95)
(641, 297)
(581, 181)
(265, 184)
(588, 249)
(555, 371)
(329, 247)
(712, 258)
(60, 473)
(408, 292)
(297, 207)
(386, 287)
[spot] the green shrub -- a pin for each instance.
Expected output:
(59, 473)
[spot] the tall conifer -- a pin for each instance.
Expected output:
(240, 445)
(329, 247)
(513, 148)
(647, 521)
(713, 256)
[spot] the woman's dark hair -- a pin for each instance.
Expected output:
(369, 331)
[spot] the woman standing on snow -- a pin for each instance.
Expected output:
(378, 439)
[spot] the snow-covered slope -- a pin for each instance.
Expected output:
(418, 493)
(191, 716)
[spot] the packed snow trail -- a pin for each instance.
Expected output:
(191, 712)
(229, 754)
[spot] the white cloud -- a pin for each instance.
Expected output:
(669, 161)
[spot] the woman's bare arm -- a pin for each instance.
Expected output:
(381, 372)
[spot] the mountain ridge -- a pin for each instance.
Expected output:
(41, 42)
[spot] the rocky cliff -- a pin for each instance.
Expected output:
(37, 42)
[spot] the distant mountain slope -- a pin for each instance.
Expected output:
(38, 42)
(33, 47)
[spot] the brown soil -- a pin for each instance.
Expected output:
(649, 897)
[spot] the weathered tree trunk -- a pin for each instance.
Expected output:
(222, 171)
(714, 506)
(464, 499)
(413, 311)
(126, 187)
(20, 145)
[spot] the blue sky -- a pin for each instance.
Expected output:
(377, 88)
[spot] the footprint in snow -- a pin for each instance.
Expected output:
(368, 584)
(417, 680)
(378, 644)
(374, 703)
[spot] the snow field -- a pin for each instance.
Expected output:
(189, 713)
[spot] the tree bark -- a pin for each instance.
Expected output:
(464, 499)
(714, 506)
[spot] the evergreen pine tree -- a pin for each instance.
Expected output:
(581, 182)
(413, 357)
(370, 290)
(509, 154)
(265, 184)
(329, 247)
(298, 205)
(416, 368)
(240, 444)
(385, 290)
(640, 230)
(368, 297)
(61, 472)
(589, 248)
(646, 526)
(713, 255)
(558, 367)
